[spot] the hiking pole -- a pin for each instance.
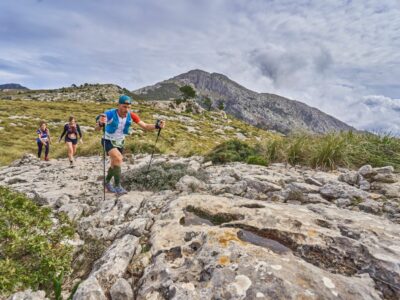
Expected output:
(104, 155)
(104, 162)
(154, 148)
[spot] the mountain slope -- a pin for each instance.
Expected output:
(264, 110)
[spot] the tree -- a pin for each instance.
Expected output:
(221, 105)
(187, 92)
(208, 103)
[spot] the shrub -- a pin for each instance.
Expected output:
(162, 176)
(257, 160)
(32, 253)
(207, 103)
(159, 177)
(330, 151)
(187, 92)
(297, 149)
(232, 150)
(179, 101)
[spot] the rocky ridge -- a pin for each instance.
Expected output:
(232, 231)
(267, 111)
(83, 93)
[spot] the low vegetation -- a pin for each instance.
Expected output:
(330, 151)
(161, 176)
(33, 252)
(186, 134)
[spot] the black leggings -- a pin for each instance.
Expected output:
(40, 147)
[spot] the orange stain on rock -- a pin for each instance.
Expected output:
(311, 233)
(228, 236)
(224, 260)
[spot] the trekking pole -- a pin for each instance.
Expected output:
(104, 156)
(104, 163)
(154, 148)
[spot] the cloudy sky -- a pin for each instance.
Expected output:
(342, 57)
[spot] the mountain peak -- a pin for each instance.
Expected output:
(267, 111)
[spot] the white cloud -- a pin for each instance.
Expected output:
(328, 54)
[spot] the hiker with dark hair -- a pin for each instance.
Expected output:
(71, 131)
(117, 124)
(43, 139)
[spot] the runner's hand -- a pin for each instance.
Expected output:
(103, 119)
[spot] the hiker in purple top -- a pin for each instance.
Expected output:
(71, 131)
(43, 139)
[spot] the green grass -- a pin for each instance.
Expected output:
(32, 253)
(329, 151)
(18, 140)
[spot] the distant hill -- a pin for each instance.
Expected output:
(83, 93)
(267, 111)
(12, 86)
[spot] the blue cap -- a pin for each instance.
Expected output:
(124, 99)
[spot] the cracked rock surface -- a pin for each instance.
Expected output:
(232, 231)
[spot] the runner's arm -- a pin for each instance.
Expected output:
(64, 132)
(146, 126)
(40, 137)
(79, 130)
(48, 135)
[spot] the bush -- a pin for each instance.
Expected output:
(330, 152)
(257, 160)
(207, 103)
(187, 92)
(232, 150)
(162, 176)
(273, 150)
(32, 253)
(179, 101)
(298, 149)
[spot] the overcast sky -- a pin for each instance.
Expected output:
(342, 57)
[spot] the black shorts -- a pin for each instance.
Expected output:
(73, 141)
(108, 145)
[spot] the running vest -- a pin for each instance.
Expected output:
(112, 122)
(43, 135)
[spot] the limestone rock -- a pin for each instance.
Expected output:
(121, 290)
(367, 171)
(350, 177)
(90, 289)
(29, 295)
(115, 260)
(190, 184)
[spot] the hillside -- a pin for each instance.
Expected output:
(187, 133)
(83, 93)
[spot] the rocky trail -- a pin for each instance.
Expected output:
(232, 231)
